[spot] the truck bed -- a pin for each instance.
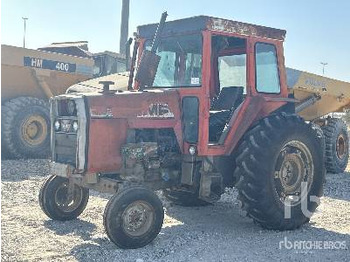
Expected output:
(42, 74)
(334, 94)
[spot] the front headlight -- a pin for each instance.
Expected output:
(75, 126)
(57, 125)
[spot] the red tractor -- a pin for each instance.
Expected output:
(207, 108)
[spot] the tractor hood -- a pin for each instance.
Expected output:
(105, 119)
(112, 115)
(93, 85)
(136, 106)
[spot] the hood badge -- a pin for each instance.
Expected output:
(157, 110)
(107, 114)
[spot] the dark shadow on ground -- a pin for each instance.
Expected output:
(100, 195)
(78, 227)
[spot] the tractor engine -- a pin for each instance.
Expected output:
(150, 156)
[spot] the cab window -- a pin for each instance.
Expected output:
(267, 77)
(180, 62)
(232, 70)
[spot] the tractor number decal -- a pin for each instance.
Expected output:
(157, 110)
(49, 64)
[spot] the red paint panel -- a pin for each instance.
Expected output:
(152, 123)
(132, 104)
(106, 136)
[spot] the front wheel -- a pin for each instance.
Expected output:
(133, 217)
(281, 172)
(59, 201)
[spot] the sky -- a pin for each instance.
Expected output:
(317, 30)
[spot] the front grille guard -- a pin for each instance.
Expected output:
(82, 133)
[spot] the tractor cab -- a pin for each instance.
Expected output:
(223, 71)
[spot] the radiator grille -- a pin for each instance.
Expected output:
(65, 148)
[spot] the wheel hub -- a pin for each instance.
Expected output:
(341, 146)
(68, 199)
(290, 175)
(137, 218)
(294, 166)
(34, 130)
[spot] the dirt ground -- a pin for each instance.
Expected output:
(214, 233)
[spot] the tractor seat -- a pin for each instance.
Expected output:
(229, 97)
(221, 109)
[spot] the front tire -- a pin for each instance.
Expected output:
(133, 217)
(274, 158)
(25, 128)
(337, 145)
(57, 202)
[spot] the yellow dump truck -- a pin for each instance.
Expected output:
(29, 79)
(317, 97)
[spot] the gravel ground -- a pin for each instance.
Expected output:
(215, 233)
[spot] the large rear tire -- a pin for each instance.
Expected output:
(25, 128)
(274, 158)
(337, 145)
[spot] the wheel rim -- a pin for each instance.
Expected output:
(294, 166)
(138, 218)
(34, 130)
(341, 146)
(68, 201)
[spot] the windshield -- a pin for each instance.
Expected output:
(180, 61)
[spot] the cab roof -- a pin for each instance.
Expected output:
(201, 23)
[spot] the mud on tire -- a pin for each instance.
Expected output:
(25, 127)
(337, 145)
(274, 157)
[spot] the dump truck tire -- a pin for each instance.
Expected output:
(337, 145)
(182, 198)
(55, 202)
(133, 217)
(26, 128)
(274, 158)
(5, 154)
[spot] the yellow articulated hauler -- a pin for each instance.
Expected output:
(318, 97)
